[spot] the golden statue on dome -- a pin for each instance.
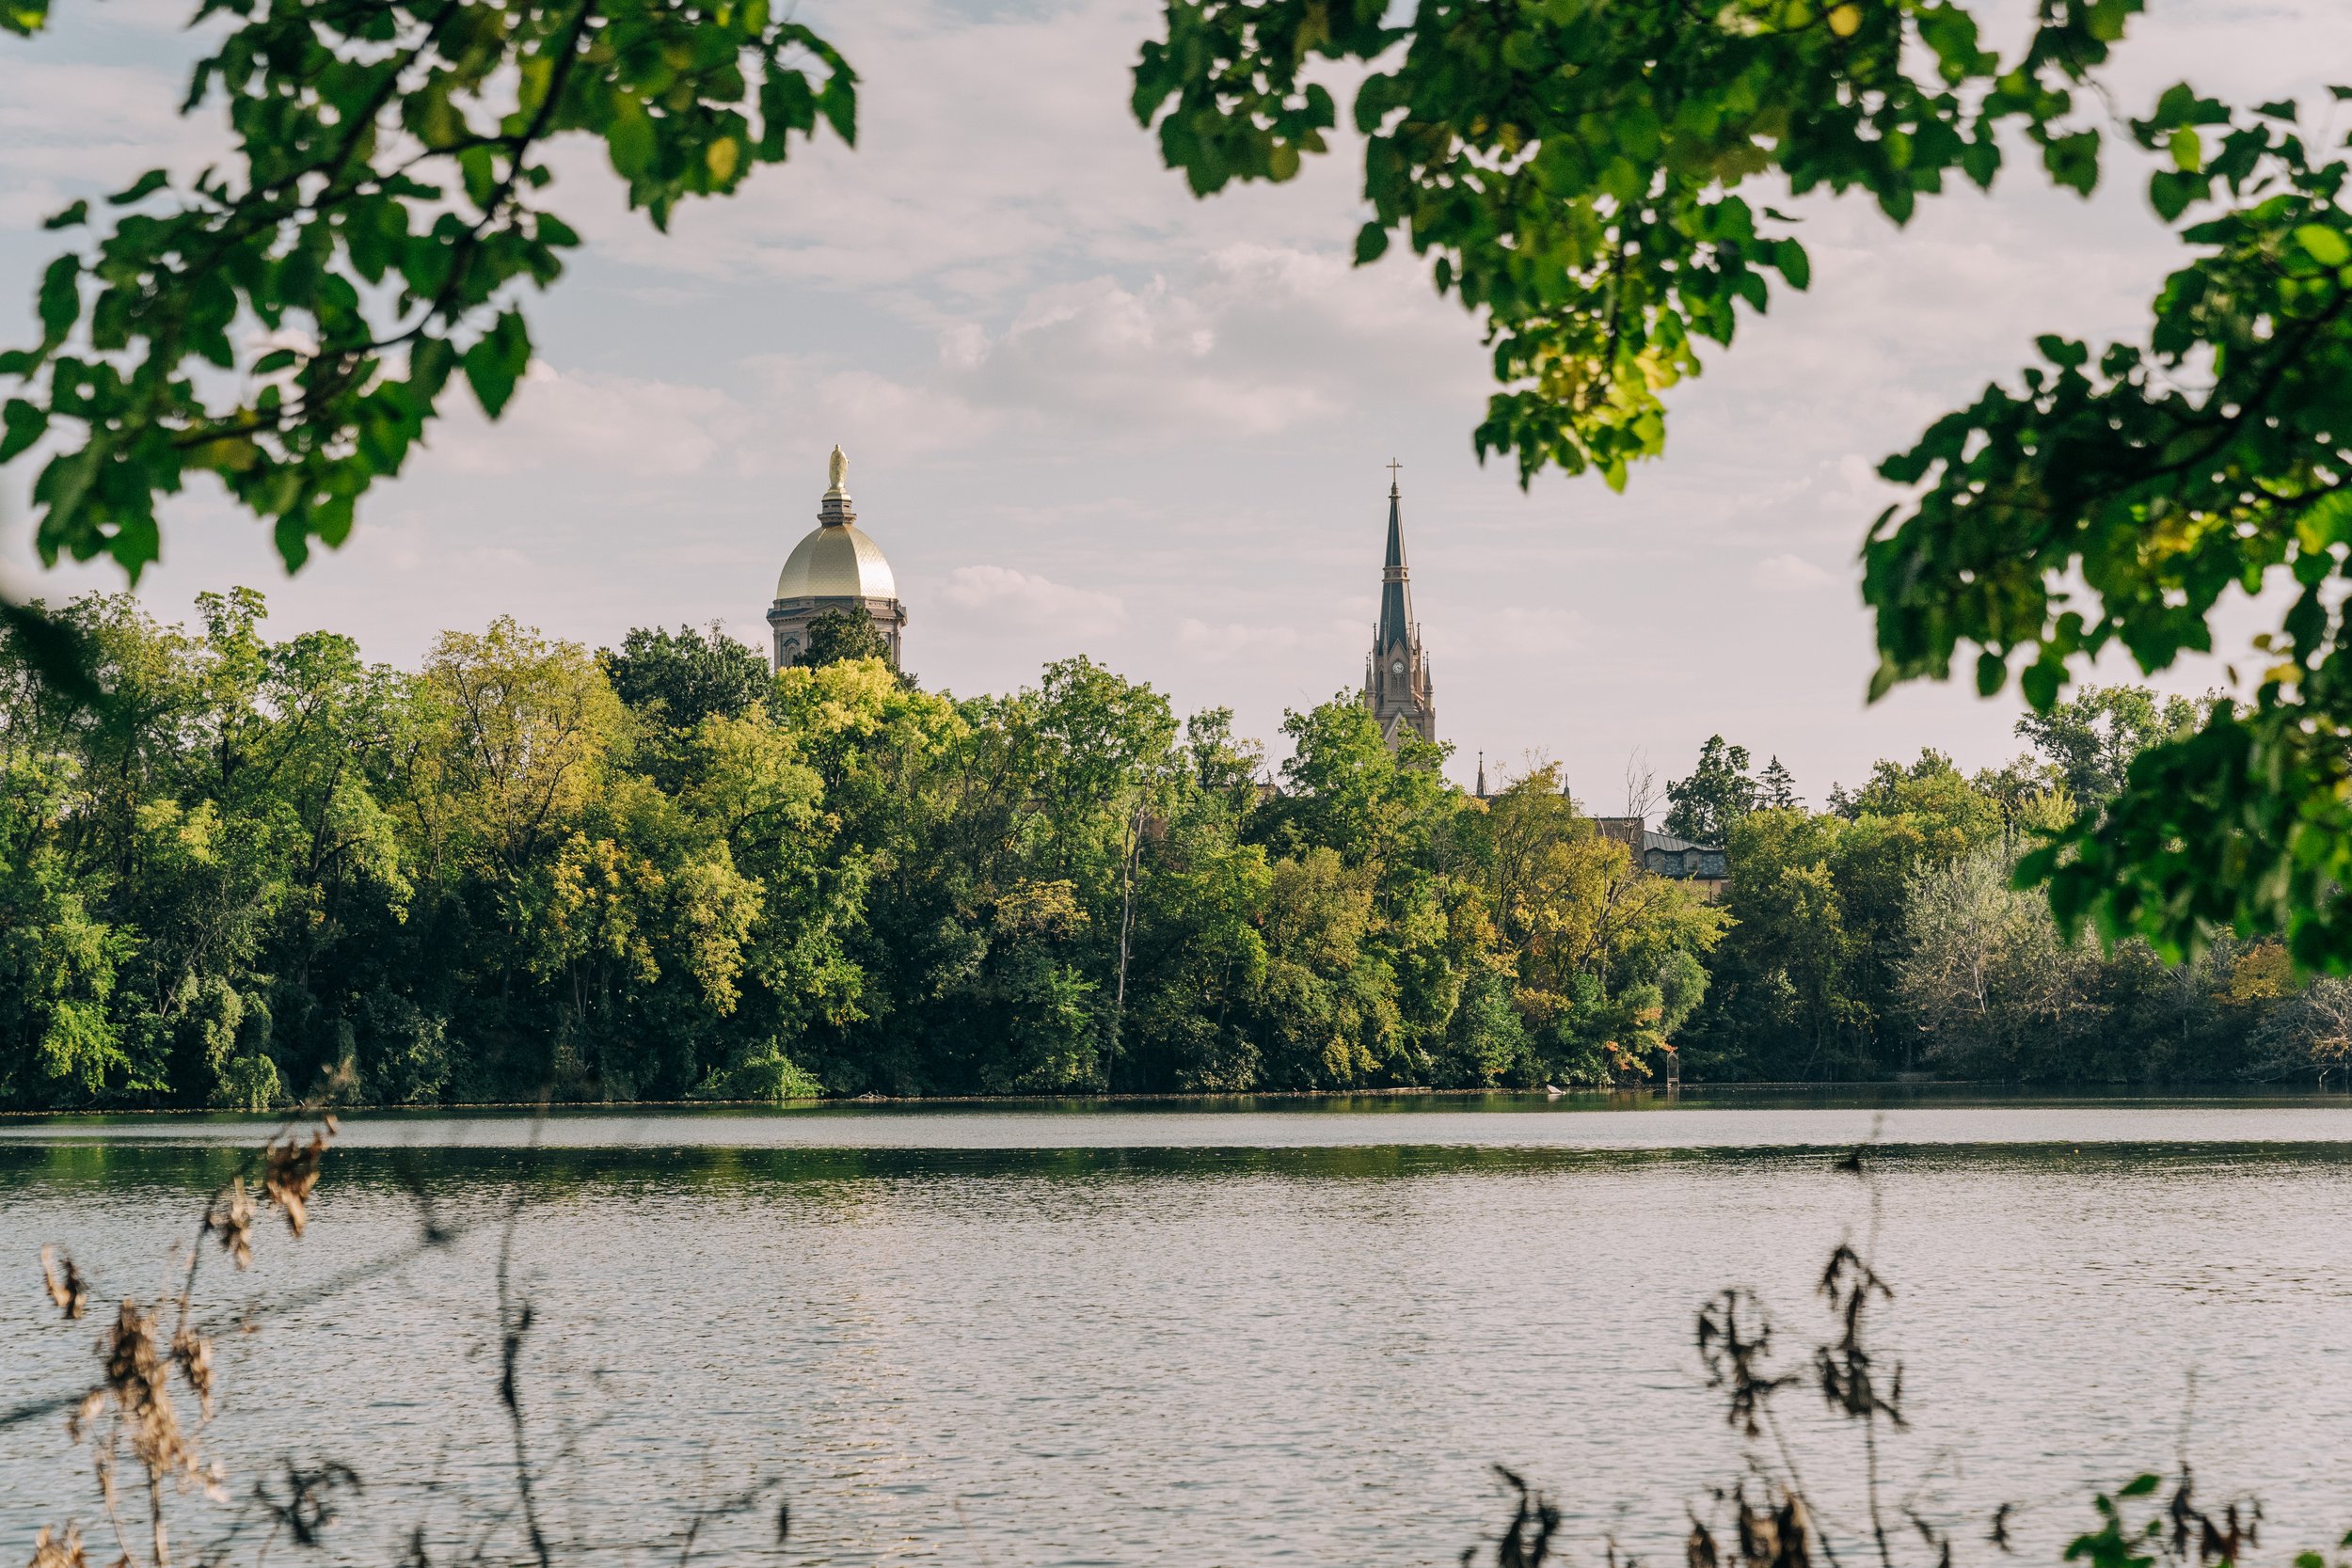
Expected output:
(837, 469)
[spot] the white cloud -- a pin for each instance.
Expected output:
(1789, 574)
(1143, 360)
(808, 402)
(1545, 630)
(1252, 339)
(1007, 597)
(1249, 341)
(995, 153)
(411, 546)
(1259, 641)
(69, 129)
(589, 419)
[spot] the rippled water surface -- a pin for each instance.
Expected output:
(1230, 1334)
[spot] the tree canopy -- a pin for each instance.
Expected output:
(837, 635)
(1704, 807)
(660, 872)
(685, 677)
(518, 869)
(1592, 181)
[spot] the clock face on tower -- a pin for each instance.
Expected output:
(1396, 667)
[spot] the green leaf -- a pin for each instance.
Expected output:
(78, 213)
(24, 17)
(837, 102)
(1991, 670)
(2189, 151)
(1372, 243)
(2073, 161)
(497, 360)
(631, 136)
(2324, 244)
(21, 425)
(429, 364)
(2139, 1487)
(2062, 352)
(2038, 682)
(435, 119)
(2169, 194)
(1794, 265)
(275, 360)
(721, 157)
(477, 166)
(144, 186)
(60, 298)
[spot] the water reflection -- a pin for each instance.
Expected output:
(1236, 1341)
(1759, 1119)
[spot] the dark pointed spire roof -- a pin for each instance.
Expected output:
(1396, 592)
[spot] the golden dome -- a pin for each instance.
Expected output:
(836, 560)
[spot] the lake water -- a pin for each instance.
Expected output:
(1224, 1334)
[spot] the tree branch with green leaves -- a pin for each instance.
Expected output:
(2117, 502)
(289, 325)
(1574, 166)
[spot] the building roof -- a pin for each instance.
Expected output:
(838, 560)
(1623, 830)
(1396, 592)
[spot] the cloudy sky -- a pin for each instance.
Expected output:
(1089, 414)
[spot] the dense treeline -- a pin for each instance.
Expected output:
(660, 871)
(657, 872)
(1883, 935)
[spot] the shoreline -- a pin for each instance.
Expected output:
(2113, 1089)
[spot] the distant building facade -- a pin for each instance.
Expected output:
(834, 568)
(1397, 687)
(1664, 855)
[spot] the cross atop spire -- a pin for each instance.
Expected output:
(1393, 466)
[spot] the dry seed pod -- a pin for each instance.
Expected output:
(59, 1551)
(78, 1421)
(231, 1220)
(291, 1171)
(136, 1374)
(66, 1286)
(194, 1355)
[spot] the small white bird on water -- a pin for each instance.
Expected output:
(1553, 1091)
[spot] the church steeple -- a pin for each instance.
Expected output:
(1396, 587)
(1396, 677)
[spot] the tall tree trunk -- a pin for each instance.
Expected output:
(1126, 920)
